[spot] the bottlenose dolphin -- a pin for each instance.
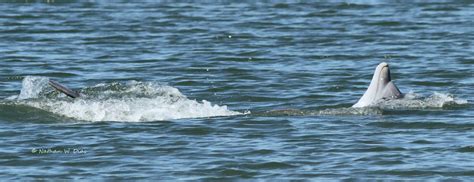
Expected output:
(63, 89)
(381, 87)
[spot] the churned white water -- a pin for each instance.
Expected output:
(139, 102)
(32, 87)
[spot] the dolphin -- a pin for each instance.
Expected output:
(381, 87)
(64, 89)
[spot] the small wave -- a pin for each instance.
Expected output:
(328, 111)
(412, 100)
(351, 111)
(469, 149)
(130, 101)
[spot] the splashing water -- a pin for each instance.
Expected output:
(411, 101)
(415, 101)
(131, 101)
(33, 87)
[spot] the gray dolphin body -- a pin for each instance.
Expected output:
(64, 89)
(381, 87)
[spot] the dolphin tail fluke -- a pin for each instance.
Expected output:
(63, 89)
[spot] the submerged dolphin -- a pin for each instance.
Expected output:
(63, 89)
(381, 87)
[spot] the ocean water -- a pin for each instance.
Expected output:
(235, 90)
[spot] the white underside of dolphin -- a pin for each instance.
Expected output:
(381, 87)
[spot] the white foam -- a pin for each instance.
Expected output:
(132, 109)
(32, 86)
(132, 101)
